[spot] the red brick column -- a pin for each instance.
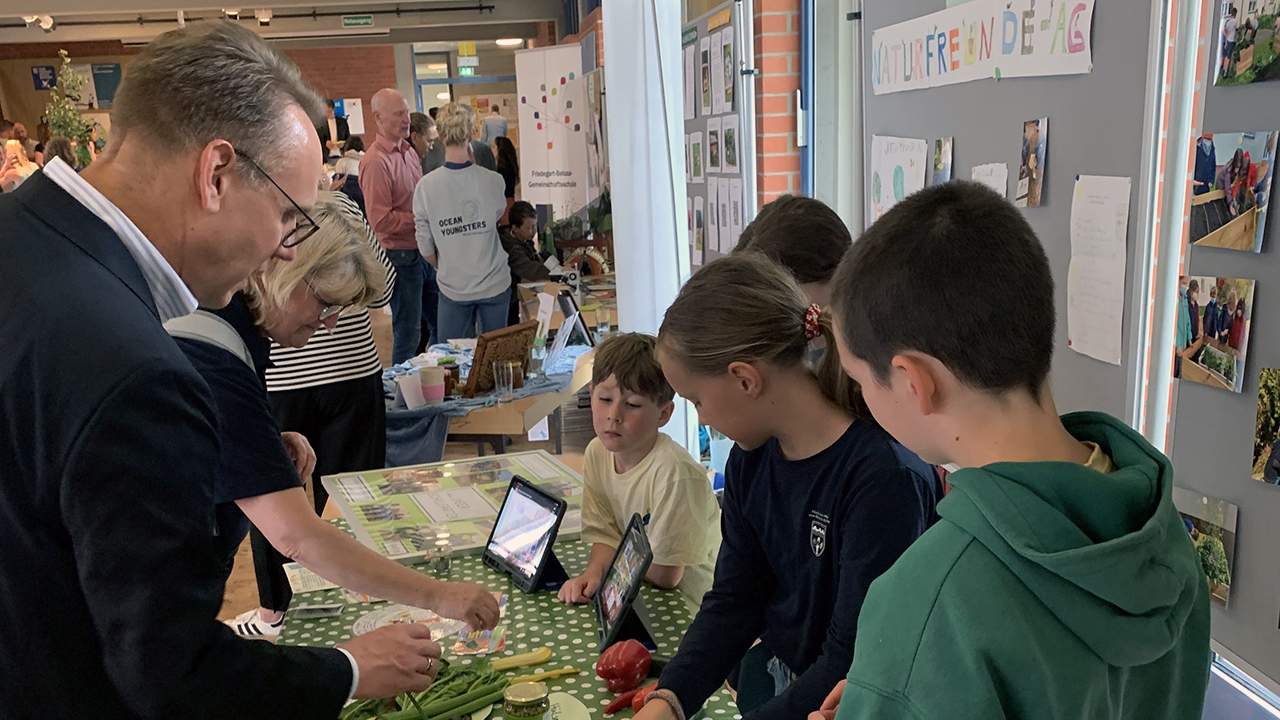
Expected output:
(777, 57)
(349, 72)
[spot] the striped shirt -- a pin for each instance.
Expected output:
(348, 352)
(172, 297)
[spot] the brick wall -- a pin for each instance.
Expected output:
(350, 72)
(16, 51)
(546, 34)
(777, 56)
(589, 24)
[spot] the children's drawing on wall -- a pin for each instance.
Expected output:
(898, 167)
(1211, 523)
(713, 145)
(704, 47)
(1247, 46)
(730, 68)
(1266, 435)
(1031, 170)
(1214, 317)
(1231, 189)
(729, 139)
(941, 161)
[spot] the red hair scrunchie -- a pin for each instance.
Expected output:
(811, 328)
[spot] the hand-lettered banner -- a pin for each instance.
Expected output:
(983, 39)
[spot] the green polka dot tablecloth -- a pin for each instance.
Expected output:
(531, 622)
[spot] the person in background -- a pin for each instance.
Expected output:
(389, 173)
(527, 262)
(818, 500)
(482, 152)
(1228, 40)
(509, 168)
(632, 468)
(111, 442)
(28, 143)
(421, 130)
(1235, 336)
(43, 135)
(1103, 608)
(805, 237)
(352, 153)
(1193, 308)
(1211, 314)
(334, 131)
(258, 478)
(17, 167)
(60, 147)
(1225, 321)
(432, 112)
(456, 209)
(1206, 166)
(493, 127)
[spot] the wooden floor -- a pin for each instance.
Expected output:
(242, 588)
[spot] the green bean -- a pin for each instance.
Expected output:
(471, 707)
(448, 708)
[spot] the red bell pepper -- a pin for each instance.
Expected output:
(623, 665)
(621, 702)
(638, 702)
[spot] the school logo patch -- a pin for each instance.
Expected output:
(817, 538)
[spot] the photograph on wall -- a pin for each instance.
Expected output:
(1266, 435)
(1231, 189)
(704, 51)
(729, 143)
(898, 167)
(1214, 319)
(695, 152)
(1031, 169)
(1247, 46)
(730, 68)
(717, 76)
(1212, 525)
(713, 145)
(941, 161)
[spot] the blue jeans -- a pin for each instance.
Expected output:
(406, 302)
(459, 319)
(430, 304)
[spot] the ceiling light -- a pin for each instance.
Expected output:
(263, 15)
(442, 96)
(437, 66)
(233, 13)
(509, 42)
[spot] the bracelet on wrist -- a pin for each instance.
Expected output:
(669, 698)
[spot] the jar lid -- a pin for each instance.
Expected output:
(526, 692)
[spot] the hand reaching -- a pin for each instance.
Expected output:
(578, 590)
(469, 603)
(300, 452)
(394, 659)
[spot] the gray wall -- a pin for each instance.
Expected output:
(1095, 128)
(1213, 431)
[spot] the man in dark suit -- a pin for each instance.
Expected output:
(109, 580)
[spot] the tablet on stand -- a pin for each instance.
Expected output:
(520, 544)
(618, 605)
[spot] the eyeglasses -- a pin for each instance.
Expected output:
(305, 228)
(326, 310)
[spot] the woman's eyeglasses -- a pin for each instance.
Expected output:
(305, 227)
(326, 310)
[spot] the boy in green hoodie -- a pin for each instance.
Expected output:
(1060, 583)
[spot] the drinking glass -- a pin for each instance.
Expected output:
(604, 321)
(504, 377)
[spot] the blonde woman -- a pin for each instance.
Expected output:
(456, 210)
(261, 472)
(17, 167)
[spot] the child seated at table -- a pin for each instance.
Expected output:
(1060, 582)
(631, 467)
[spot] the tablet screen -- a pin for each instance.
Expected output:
(523, 530)
(625, 575)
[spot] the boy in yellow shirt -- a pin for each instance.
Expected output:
(633, 468)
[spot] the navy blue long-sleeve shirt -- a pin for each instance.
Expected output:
(803, 540)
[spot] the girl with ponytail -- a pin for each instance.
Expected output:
(818, 502)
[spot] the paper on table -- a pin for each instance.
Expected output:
(444, 506)
(994, 176)
(717, 74)
(303, 580)
(1095, 278)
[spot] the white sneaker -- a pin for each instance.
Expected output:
(249, 624)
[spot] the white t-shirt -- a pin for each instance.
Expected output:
(1229, 29)
(456, 211)
(671, 491)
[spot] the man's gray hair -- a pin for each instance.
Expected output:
(211, 81)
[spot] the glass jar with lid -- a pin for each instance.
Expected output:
(526, 700)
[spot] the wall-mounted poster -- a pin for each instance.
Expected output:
(713, 145)
(1212, 526)
(553, 112)
(730, 68)
(690, 73)
(717, 75)
(1231, 189)
(941, 161)
(729, 143)
(695, 154)
(1266, 436)
(713, 214)
(1247, 47)
(704, 55)
(1032, 168)
(898, 167)
(699, 229)
(1214, 319)
(993, 175)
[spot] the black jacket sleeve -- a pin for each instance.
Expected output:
(136, 500)
(732, 612)
(879, 523)
(524, 263)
